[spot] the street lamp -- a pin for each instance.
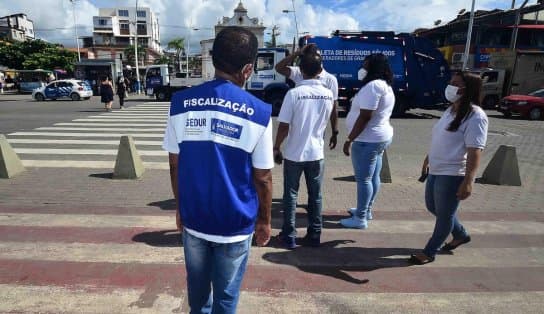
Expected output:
(75, 29)
(136, 48)
(188, 49)
(469, 37)
(294, 13)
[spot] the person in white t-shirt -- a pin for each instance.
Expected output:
(458, 139)
(303, 118)
(370, 133)
(328, 80)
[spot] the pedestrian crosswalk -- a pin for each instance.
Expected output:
(92, 142)
(80, 259)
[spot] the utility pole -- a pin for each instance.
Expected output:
(275, 32)
(469, 37)
(514, 38)
(75, 29)
(136, 48)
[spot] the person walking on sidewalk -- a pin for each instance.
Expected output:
(106, 93)
(121, 88)
(370, 133)
(219, 139)
(303, 119)
(457, 142)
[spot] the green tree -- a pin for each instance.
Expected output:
(129, 53)
(36, 54)
(178, 45)
(163, 59)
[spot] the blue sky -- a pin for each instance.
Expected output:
(319, 17)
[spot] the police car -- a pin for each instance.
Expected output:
(73, 89)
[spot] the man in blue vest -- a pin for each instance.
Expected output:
(220, 142)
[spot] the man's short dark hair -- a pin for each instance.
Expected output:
(310, 64)
(233, 48)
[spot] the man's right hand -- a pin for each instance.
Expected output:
(262, 233)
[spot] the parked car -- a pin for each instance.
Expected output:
(73, 89)
(528, 106)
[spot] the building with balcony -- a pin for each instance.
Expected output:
(16, 27)
(494, 31)
(115, 29)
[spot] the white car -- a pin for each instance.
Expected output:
(73, 89)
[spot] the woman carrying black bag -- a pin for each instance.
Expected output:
(121, 91)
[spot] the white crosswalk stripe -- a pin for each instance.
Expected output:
(92, 142)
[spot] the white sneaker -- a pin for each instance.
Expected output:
(354, 223)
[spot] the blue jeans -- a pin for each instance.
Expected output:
(313, 173)
(442, 202)
(367, 164)
(217, 266)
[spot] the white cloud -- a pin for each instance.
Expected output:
(177, 17)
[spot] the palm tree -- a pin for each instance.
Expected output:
(178, 45)
(129, 53)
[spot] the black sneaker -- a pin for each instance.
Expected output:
(287, 242)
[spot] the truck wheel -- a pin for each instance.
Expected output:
(507, 114)
(39, 97)
(535, 114)
(161, 96)
(490, 102)
(75, 97)
(276, 100)
(400, 107)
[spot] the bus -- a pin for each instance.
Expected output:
(25, 81)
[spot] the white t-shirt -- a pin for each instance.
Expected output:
(448, 151)
(325, 77)
(306, 108)
(378, 96)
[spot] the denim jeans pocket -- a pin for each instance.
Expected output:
(237, 249)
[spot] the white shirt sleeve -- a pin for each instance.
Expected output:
(286, 111)
(369, 96)
(333, 87)
(170, 143)
(296, 75)
(263, 156)
(476, 132)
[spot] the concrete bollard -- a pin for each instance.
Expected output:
(128, 164)
(503, 168)
(10, 164)
(385, 174)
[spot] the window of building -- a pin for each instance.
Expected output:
(123, 12)
(140, 14)
(142, 29)
(102, 22)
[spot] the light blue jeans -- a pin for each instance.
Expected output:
(214, 266)
(441, 200)
(367, 164)
(313, 174)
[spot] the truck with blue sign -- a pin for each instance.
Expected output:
(420, 72)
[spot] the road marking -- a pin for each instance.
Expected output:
(88, 164)
(67, 151)
(119, 120)
(161, 222)
(102, 129)
(114, 135)
(125, 115)
(79, 142)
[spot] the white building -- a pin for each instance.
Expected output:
(114, 29)
(16, 27)
(240, 18)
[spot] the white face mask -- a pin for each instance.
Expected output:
(361, 74)
(451, 93)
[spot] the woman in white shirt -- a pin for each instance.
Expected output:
(458, 139)
(370, 133)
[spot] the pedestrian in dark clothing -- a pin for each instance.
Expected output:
(121, 91)
(106, 93)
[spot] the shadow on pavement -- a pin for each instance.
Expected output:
(169, 204)
(97, 110)
(345, 179)
(333, 261)
(163, 238)
(108, 175)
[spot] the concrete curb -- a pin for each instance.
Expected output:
(128, 164)
(10, 164)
